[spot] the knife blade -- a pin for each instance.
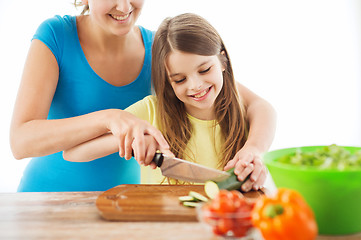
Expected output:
(187, 171)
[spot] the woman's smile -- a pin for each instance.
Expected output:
(121, 18)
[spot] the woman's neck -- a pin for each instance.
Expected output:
(102, 41)
(118, 60)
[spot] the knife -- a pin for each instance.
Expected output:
(187, 171)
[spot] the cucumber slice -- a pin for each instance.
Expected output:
(211, 188)
(187, 199)
(198, 196)
(192, 204)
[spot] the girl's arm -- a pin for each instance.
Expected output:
(31, 134)
(262, 120)
(92, 149)
(107, 144)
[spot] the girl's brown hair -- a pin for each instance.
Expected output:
(78, 3)
(191, 33)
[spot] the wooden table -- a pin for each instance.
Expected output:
(73, 215)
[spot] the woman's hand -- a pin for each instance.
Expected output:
(127, 135)
(131, 132)
(150, 145)
(262, 126)
(247, 161)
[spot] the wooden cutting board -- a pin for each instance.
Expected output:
(139, 202)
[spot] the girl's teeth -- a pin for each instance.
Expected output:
(120, 18)
(201, 94)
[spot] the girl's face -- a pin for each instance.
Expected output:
(196, 81)
(115, 16)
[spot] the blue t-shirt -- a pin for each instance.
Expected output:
(79, 91)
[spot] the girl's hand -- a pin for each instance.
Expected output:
(150, 145)
(131, 131)
(247, 161)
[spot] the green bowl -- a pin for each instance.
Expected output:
(334, 195)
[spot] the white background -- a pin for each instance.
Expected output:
(302, 56)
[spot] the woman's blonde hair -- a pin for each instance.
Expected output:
(78, 3)
(191, 33)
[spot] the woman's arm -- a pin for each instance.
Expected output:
(31, 134)
(262, 126)
(262, 120)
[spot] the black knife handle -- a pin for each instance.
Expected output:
(158, 159)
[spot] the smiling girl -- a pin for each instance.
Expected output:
(197, 106)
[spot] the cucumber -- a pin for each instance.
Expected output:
(193, 199)
(231, 183)
(187, 199)
(198, 196)
(192, 204)
(211, 188)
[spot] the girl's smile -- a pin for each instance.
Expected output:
(201, 95)
(196, 81)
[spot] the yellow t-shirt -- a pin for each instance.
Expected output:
(204, 143)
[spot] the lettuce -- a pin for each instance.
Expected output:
(327, 157)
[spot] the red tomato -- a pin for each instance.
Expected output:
(236, 194)
(225, 224)
(245, 209)
(240, 231)
(226, 205)
(234, 203)
(245, 222)
(217, 231)
(223, 203)
(237, 198)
